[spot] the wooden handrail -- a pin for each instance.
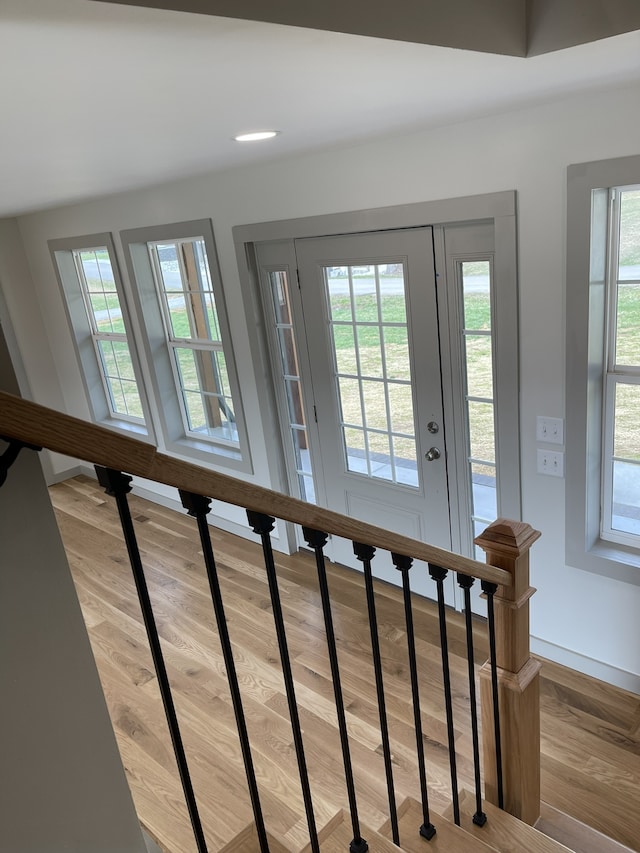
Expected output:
(35, 424)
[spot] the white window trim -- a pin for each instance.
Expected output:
(614, 374)
(156, 347)
(84, 335)
(586, 310)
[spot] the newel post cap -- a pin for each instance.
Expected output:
(511, 538)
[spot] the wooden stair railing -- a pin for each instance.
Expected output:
(505, 578)
(38, 425)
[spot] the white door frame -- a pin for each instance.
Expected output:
(498, 207)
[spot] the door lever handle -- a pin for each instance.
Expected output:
(432, 454)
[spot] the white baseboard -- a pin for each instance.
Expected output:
(52, 478)
(589, 666)
(225, 524)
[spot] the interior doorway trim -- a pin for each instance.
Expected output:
(498, 207)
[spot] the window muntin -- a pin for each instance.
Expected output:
(192, 327)
(106, 321)
(620, 520)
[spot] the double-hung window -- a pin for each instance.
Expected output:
(180, 305)
(603, 367)
(621, 434)
(96, 307)
(192, 327)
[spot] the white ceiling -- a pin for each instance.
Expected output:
(96, 97)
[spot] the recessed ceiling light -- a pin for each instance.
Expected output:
(256, 135)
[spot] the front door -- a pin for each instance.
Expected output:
(369, 304)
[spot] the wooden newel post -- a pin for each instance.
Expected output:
(506, 544)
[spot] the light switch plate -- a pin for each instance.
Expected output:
(551, 463)
(550, 430)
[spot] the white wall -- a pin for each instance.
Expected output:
(527, 150)
(63, 787)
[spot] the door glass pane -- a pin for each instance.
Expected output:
(476, 294)
(350, 401)
(345, 348)
(303, 461)
(371, 353)
(375, 405)
(339, 295)
(294, 400)
(483, 483)
(479, 365)
(404, 454)
(481, 432)
(355, 450)
(401, 407)
(396, 353)
(380, 455)
(392, 303)
(288, 351)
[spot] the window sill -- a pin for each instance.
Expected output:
(209, 454)
(619, 562)
(127, 428)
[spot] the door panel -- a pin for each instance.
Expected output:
(370, 315)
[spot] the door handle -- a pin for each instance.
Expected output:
(432, 454)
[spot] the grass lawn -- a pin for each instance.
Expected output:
(478, 356)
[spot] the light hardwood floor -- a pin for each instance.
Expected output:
(590, 731)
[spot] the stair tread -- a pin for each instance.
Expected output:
(503, 831)
(574, 834)
(338, 834)
(448, 838)
(246, 841)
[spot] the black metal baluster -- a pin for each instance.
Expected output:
(263, 525)
(317, 540)
(466, 582)
(198, 507)
(439, 574)
(118, 485)
(490, 589)
(365, 553)
(403, 564)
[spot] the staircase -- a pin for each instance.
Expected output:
(502, 833)
(505, 715)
